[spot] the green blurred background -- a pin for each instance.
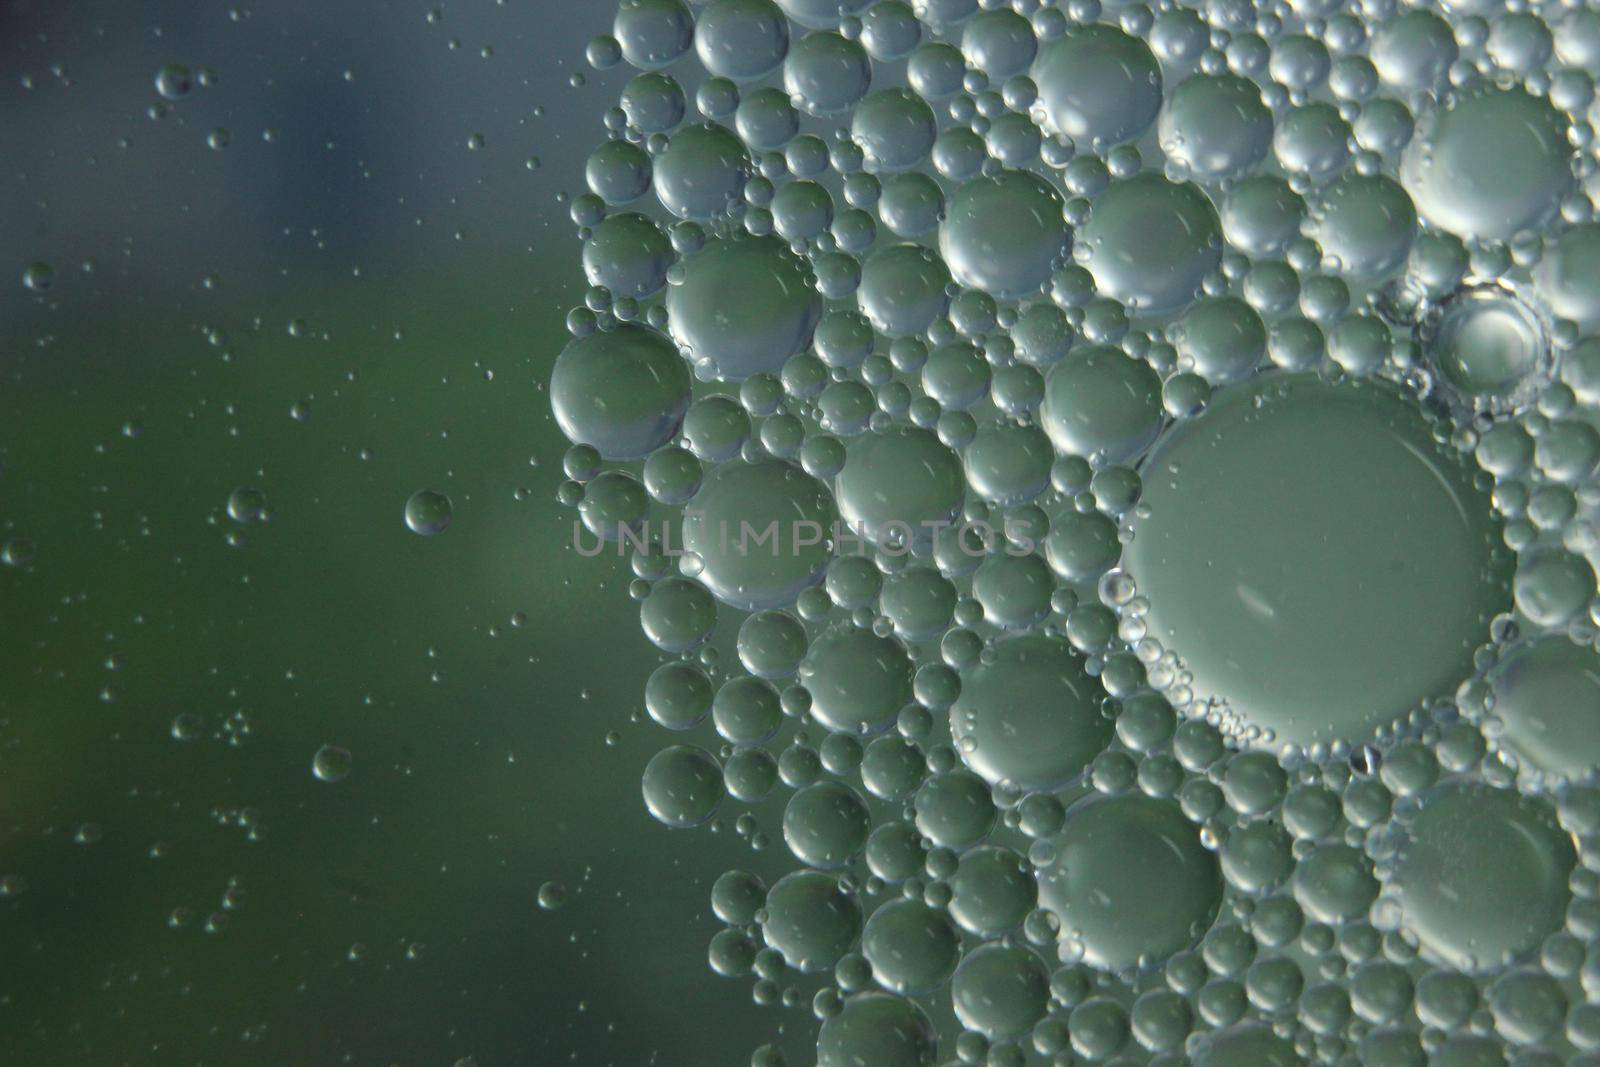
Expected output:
(346, 257)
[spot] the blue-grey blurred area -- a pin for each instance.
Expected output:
(300, 279)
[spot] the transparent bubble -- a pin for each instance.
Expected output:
(1130, 881)
(1482, 876)
(623, 391)
(1490, 164)
(1223, 338)
(1004, 234)
(895, 128)
(1565, 275)
(1097, 85)
(741, 39)
(174, 81)
(1149, 242)
(992, 891)
(682, 786)
(743, 306)
(898, 485)
(955, 810)
(331, 763)
(903, 289)
(825, 825)
(1000, 990)
(826, 74)
(1365, 223)
(911, 204)
(811, 919)
(702, 171)
(759, 531)
(858, 681)
(1334, 883)
(1102, 404)
(911, 946)
(1008, 464)
(653, 33)
(678, 695)
(1031, 716)
(1490, 348)
(1553, 586)
(678, 614)
(746, 711)
(1216, 126)
(428, 513)
(1232, 609)
(1414, 50)
(877, 1028)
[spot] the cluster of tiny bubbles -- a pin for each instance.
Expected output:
(1123, 481)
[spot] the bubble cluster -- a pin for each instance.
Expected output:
(1114, 490)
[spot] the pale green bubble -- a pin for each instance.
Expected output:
(1008, 464)
(811, 919)
(899, 484)
(895, 128)
(678, 695)
(682, 786)
(1223, 337)
(653, 33)
(1031, 716)
(1251, 1043)
(1482, 876)
(955, 810)
(1493, 163)
(741, 39)
(878, 1029)
(1261, 214)
(1101, 404)
(825, 825)
(1131, 882)
(1334, 883)
(1081, 546)
(702, 171)
(903, 289)
(771, 644)
(1365, 224)
(816, 14)
(999, 42)
(911, 946)
(1004, 234)
(1553, 586)
(1547, 701)
(757, 532)
(858, 681)
(624, 391)
(678, 614)
(826, 74)
(911, 205)
(1414, 50)
(1312, 140)
(1490, 347)
(1150, 242)
(746, 711)
(628, 254)
(1000, 990)
(992, 891)
(1238, 552)
(1097, 85)
(744, 306)
(1567, 272)
(956, 375)
(1216, 126)
(918, 602)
